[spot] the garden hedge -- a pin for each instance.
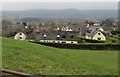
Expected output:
(82, 46)
(92, 41)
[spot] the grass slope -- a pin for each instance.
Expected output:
(37, 59)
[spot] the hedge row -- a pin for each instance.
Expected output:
(92, 41)
(82, 47)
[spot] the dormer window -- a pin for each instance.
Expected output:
(58, 35)
(45, 36)
(63, 36)
(72, 36)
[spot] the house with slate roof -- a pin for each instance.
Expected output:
(25, 34)
(95, 34)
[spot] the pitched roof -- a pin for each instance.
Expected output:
(53, 35)
(107, 28)
(92, 31)
(28, 32)
(77, 28)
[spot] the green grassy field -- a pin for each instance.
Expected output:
(37, 59)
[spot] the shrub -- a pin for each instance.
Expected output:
(115, 32)
(11, 34)
(92, 41)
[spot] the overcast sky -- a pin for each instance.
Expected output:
(59, 5)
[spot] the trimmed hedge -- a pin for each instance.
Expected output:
(115, 32)
(92, 41)
(82, 46)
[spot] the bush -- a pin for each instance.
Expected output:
(11, 34)
(115, 32)
(92, 41)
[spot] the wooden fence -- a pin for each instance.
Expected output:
(15, 73)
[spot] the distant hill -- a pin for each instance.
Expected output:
(63, 14)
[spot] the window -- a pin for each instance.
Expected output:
(20, 37)
(71, 36)
(99, 38)
(58, 35)
(63, 36)
(57, 38)
(63, 42)
(20, 33)
(44, 36)
(98, 33)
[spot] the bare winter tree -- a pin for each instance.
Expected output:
(7, 28)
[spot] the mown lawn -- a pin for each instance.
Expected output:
(37, 59)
